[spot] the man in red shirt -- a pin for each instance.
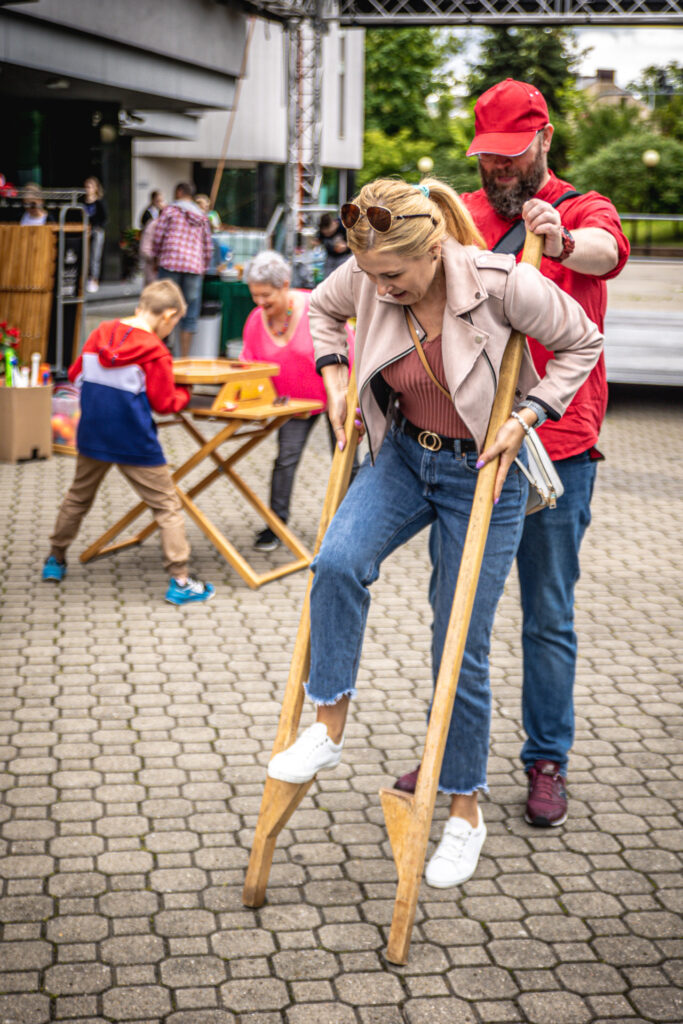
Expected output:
(584, 246)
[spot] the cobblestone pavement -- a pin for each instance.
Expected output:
(133, 748)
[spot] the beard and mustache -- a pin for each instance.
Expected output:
(508, 200)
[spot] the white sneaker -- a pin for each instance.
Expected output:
(455, 858)
(312, 752)
(92, 285)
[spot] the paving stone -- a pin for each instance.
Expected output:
(521, 953)
(61, 980)
(482, 983)
(247, 995)
(659, 1004)
(438, 1011)
(368, 989)
(136, 1002)
(590, 979)
(201, 1017)
(132, 949)
(182, 972)
(558, 1007)
(341, 937)
(305, 965)
(331, 1013)
(24, 1009)
(245, 942)
(626, 951)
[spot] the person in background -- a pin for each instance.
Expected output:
(146, 244)
(584, 246)
(182, 249)
(421, 288)
(97, 218)
(204, 204)
(34, 213)
(126, 371)
(332, 237)
(277, 331)
(156, 205)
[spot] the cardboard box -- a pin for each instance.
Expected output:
(25, 428)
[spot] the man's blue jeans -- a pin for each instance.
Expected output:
(191, 287)
(548, 565)
(408, 489)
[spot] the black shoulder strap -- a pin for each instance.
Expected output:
(513, 239)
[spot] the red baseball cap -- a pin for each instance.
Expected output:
(507, 117)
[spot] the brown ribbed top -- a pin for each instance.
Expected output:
(419, 399)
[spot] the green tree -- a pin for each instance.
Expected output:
(661, 87)
(617, 170)
(404, 68)
(598, 125)
(547, 58)
(407, 100)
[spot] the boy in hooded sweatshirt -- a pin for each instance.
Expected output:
(125, 371)
(183, 248)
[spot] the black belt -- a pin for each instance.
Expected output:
(431, 441)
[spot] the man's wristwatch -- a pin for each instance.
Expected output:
(568, 246)
(541, 413)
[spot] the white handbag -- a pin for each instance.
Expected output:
(545, 486)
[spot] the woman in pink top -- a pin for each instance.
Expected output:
(277, 332)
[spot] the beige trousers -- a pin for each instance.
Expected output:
(153, 484)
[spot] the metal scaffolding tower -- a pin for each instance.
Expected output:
(305, 22)
(303, 173)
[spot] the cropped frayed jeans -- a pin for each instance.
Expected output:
(406, 490)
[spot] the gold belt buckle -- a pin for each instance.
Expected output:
(429, 440)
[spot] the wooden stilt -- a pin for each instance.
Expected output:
(409, 818)
(280, 799)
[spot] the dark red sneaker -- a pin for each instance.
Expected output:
(546, 803)
(408, 782)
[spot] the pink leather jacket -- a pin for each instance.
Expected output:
(499, 296)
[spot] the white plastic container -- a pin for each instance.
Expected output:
(207, 341)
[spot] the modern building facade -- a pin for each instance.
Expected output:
(252, 182)
(137, 94)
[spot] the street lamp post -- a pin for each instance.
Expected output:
(650, 158)
(425, 165)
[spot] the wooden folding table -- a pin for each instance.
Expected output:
(250, 410)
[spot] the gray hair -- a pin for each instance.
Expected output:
(268, 267)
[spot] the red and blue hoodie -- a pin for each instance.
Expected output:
(124, 373)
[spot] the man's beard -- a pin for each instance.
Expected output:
(508, 200)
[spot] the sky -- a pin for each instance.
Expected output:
(629, 50)
(626, 50)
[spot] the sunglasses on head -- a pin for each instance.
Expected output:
(379, 217)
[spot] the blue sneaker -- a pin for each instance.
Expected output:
(53, 570)
(193, 590)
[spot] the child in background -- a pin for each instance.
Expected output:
(126, 371)
(204, 204)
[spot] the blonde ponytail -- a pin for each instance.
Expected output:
(459, 222)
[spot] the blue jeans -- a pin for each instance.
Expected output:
(548, 565)
(406, 490)
(191, 287)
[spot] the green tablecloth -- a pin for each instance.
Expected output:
(235, 299)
